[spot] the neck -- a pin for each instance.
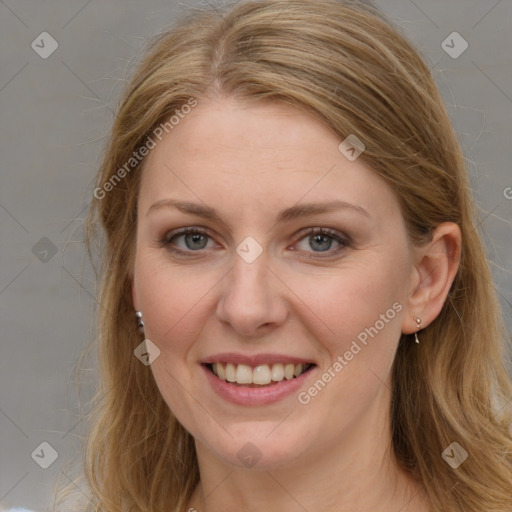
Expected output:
(358, 474)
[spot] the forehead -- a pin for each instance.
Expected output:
(266, 155)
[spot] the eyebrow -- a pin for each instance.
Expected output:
(287, 215)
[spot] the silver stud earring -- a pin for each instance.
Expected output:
(140, 323)
(418, 322)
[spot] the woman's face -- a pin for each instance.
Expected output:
(296, 254)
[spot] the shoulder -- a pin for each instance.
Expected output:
(15, 509)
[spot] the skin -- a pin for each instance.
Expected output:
(249, 163)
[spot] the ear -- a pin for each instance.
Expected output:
(437, 263)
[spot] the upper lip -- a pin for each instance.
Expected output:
(254, 360)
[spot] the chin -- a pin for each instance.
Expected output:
(257, 447)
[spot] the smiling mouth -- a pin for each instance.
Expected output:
(258, 376)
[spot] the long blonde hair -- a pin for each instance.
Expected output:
(345, 64)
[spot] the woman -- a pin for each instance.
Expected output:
(296, 312)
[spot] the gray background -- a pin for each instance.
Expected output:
(55, 115)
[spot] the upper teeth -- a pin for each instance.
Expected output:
(262, 374)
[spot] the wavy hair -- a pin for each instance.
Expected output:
(346, 64)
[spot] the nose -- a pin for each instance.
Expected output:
(252, 299)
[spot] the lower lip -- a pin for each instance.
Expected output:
(264, 395)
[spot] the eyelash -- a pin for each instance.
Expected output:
(343, 240)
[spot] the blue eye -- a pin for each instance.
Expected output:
(196, 239)
(321, 241)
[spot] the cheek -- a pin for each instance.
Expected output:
(357, 322)
(343, 305)
(172, 299)
(174, 302)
